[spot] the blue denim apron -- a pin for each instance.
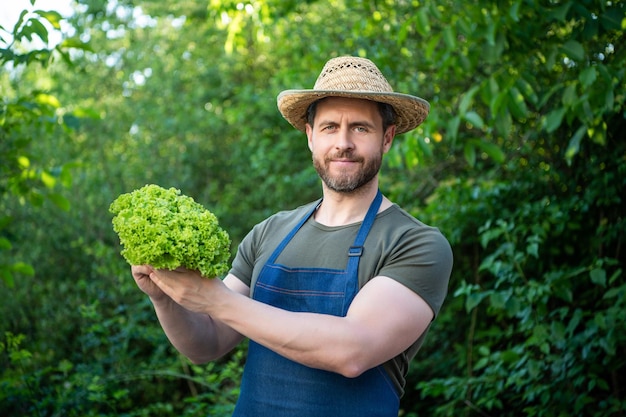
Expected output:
(275, 386)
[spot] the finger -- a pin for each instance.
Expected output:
(141, 269)
(154, 277)
(160, 283)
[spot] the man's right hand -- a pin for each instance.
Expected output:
(141, 274)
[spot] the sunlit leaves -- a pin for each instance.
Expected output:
(517, 94)
(27, 117)
(31, 33)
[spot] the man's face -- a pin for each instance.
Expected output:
(348, 142)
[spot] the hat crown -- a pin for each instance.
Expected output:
(352, 74)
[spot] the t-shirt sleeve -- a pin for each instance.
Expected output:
(243, 264)
(422, 261)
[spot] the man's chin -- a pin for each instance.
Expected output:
(345, 186)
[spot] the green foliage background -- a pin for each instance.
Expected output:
(521, 163)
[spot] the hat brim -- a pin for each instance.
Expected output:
(410, 110)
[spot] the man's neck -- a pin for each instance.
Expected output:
(340, 209)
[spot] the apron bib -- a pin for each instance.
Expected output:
(275, 386)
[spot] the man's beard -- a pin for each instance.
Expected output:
(347, 182)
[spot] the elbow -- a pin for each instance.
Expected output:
(352, 372)
(353, 360)
(201, 359)
(197, 360)
(352, 368)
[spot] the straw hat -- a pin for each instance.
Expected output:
(353, 77)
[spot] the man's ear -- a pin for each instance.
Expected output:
(309, 136)
(388, 137)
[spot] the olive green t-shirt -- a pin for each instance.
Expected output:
(398, 246)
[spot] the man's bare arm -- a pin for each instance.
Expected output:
(196, 335)
(384, 319)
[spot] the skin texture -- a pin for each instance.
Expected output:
(205, 318)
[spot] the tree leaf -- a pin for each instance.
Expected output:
(492, 150)
(559, 13)
(66, 176)
(39, 29)
(467, 99)
(48, 99)
(48, 180)
(514, 11)
(7, 277)
(598, 276)
(504, 124)
(475, 119)
(449, 37)
(495, 105)
(424, 147)
(574, 144)
(453, 128)
(60, 201)
(423, 26)
(609, 98)
(527, 91)
(76, 43)
(54, 18)
(613, 18)
(574, 50)
(23, 268)
(470, 153)
(553, 119)
(16, 28)
(588, 76)
(517, 105)
(498, 300)
(5, 244)
(474, 299)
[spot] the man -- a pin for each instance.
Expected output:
(335, 296)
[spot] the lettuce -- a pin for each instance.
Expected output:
(164, 229)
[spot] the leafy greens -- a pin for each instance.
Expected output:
(165, 229)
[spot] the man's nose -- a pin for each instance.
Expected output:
(344, 139)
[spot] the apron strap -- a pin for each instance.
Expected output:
(356, 250)
(366, 226)
(287, 239)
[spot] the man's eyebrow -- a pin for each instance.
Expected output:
(366, 123)
(363, 122)
(327, 122)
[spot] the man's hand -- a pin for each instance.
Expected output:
(141, 274)
(188, 288)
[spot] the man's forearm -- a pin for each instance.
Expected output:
(197, 336)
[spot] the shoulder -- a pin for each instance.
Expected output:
(414, 254)
(399, 223)
(296, 213)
